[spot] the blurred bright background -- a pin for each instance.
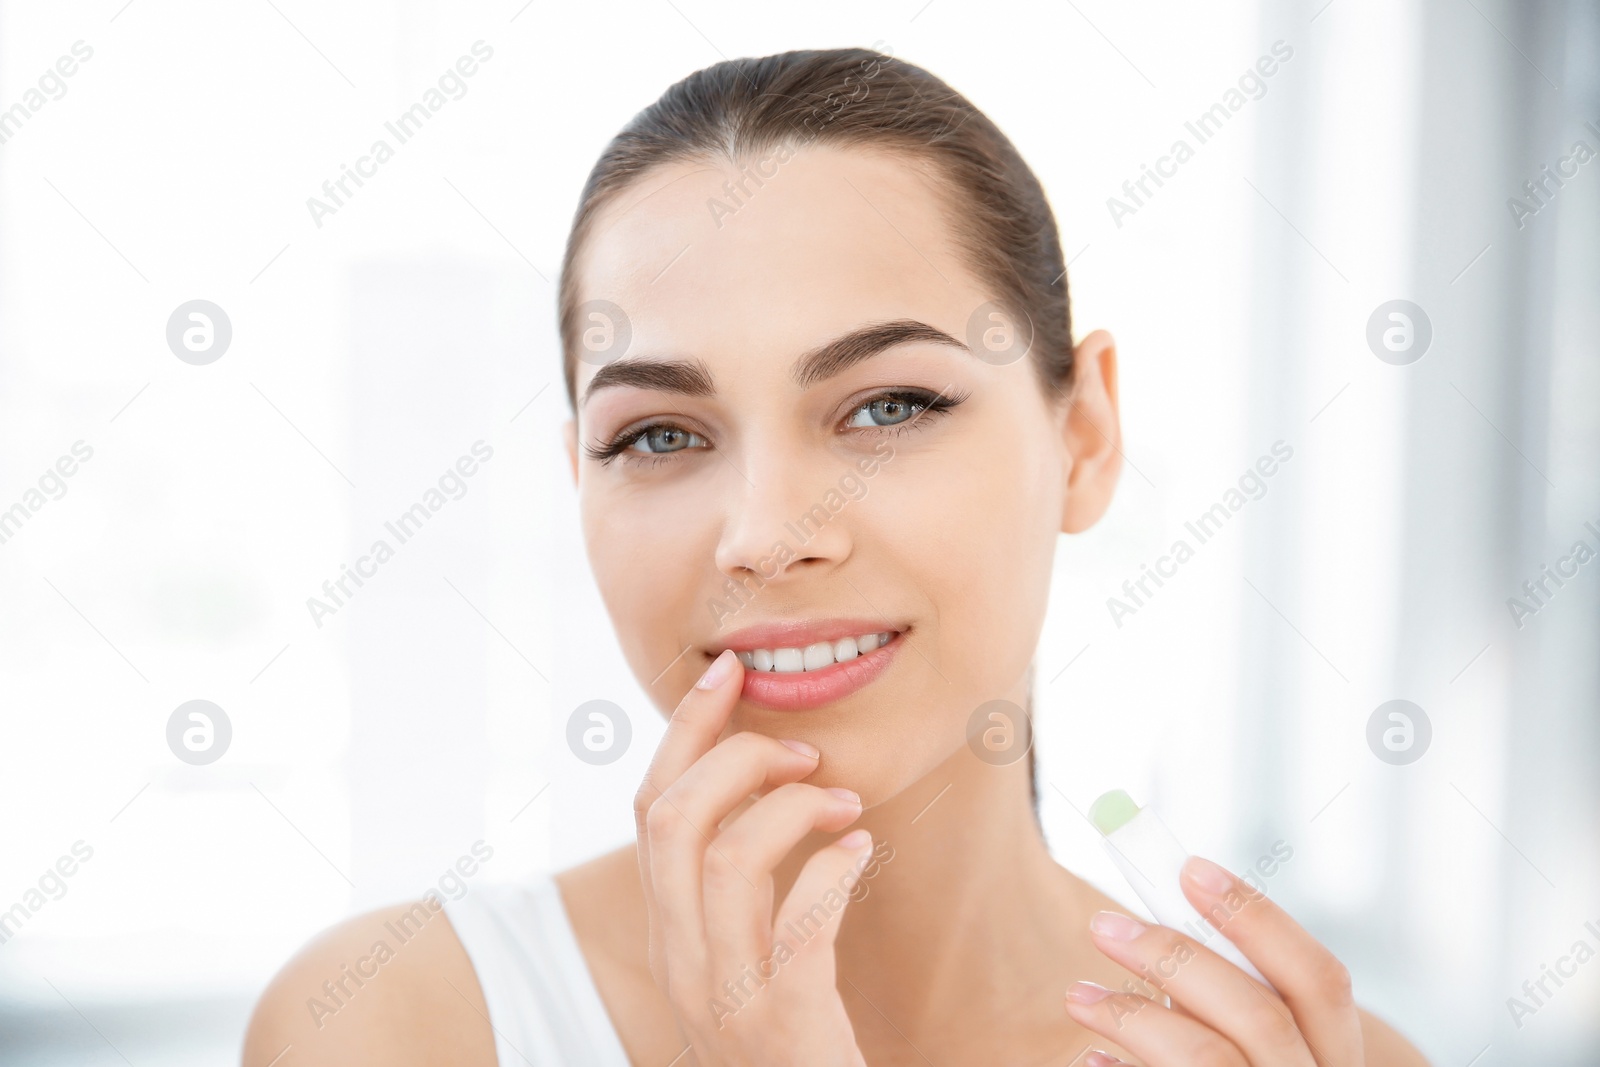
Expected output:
(1382, 160)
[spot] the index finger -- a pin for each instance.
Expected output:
(691, 732)
(1311, 980)
(695, 725)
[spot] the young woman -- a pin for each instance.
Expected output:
(829, 423)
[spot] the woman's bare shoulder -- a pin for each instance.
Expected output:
(604, 900)
(392, 986)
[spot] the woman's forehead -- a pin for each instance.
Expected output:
(717, 256)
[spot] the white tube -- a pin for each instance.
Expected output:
(1151, 859)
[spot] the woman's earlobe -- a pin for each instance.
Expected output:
(1093, 433)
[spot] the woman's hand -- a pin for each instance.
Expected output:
(747, 987)
(1221, 1016)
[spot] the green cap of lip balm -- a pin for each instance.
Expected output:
(1112, 811)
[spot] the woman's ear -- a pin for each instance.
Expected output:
(569, 433)
(1092, 432)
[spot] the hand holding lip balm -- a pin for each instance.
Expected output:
(1151, 859)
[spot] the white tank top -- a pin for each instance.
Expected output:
(542, 1001)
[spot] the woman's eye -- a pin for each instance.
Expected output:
(886, 410)
(654, 443)
(665, 439)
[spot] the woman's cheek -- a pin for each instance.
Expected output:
(1004, 531)
(648, 582)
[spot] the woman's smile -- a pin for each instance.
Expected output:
(798, 666)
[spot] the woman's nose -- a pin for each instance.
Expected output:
(785, 515)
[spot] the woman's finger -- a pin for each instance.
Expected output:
(808, 920)
(1102, 1059)
(1153, 1032)
(746, 763)
(685, 820)
(738, 865)
(802, 965)
(1206, 987)
(693, 729)
(1313, 983)
(696, 723)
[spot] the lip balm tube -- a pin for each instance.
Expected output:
(1151, 859)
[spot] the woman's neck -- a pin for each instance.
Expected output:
(964, 909)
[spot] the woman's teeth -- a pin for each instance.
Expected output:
(812, 657)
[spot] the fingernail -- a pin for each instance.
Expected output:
(855, 839)
(1087, 993)
(1100, 1059)
(846, 794)
(717, 673)
(1116, 926)
(1207, 875)
(802, 748)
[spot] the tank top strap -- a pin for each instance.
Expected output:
(543, 1004)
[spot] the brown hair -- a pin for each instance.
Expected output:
(744, 108)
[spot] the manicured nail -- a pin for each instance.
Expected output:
(1116, 926)
(1207, 875)
(718, 672)
(802, 748)
(846, 794)
(855, 839)
(1100, 1059)
(1087, 993)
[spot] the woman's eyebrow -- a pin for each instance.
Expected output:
(842, 353)
(693, 378)
(689, 377)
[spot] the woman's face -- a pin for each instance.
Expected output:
(824, 492)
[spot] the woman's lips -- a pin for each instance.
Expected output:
(802, 690)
